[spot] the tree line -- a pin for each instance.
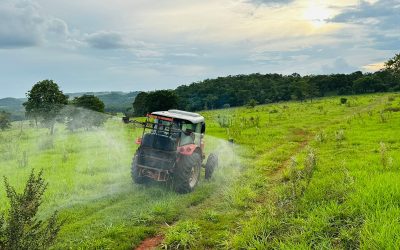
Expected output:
(239, 90)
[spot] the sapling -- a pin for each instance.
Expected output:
(310, 163)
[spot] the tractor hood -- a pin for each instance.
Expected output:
(182, 115)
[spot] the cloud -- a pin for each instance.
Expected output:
(22, 24)
(384, 12)
(374, 66)
(380, 21)
(339, 65)
(106, 40)
(110, 40)
(270, 2)
(141, 45)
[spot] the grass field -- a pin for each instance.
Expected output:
(301, 175)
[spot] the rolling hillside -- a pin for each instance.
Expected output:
(301, 175)
(114, 102)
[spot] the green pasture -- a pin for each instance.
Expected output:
(266, 193)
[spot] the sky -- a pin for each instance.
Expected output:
(131, 45)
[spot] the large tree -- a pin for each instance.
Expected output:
(393, 67)
(86, 111)
(5, 121)
(90, 102)
(393, 64)
(155, 101)
(139, 105)
(45, 101)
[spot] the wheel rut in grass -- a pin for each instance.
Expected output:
(151, 243)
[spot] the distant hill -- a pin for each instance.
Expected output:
(118, 101)
(114, 102)
(13, 106)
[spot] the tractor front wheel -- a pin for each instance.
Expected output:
(187, 173)
(135, 172)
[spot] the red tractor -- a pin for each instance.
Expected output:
(171, 149)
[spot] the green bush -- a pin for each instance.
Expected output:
(20, 228)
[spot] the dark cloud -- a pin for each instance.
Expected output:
(106, 40)
(381, 21)
(385, 12)
(110, 40)
(22, 24)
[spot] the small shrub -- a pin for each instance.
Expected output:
(310, 164)
(339, 135)
(273, 111)
(343, 100)
(21, 229)
(224, 121)
(321, 137)
(383, 117)
(252, 103)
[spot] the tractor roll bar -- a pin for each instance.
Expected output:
(152, 125)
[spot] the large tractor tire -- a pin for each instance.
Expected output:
(187, 173)
(136, 174)
(212, 163)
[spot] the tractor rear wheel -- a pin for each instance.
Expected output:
(135, 172)
(212, 163)
(187, 173)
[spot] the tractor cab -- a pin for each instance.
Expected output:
(185, 127)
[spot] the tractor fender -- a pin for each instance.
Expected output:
(187, 149)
